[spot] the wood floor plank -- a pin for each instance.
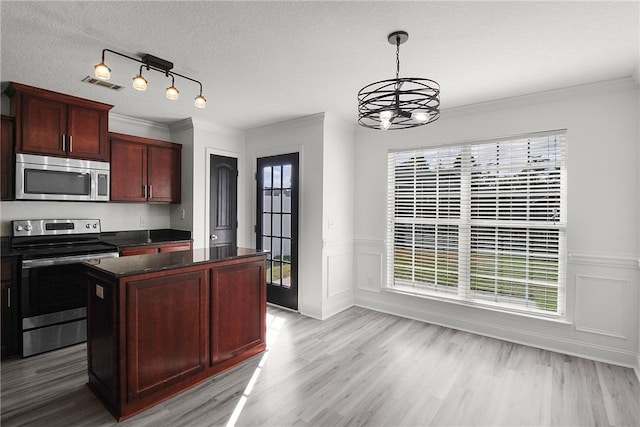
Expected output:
(358, 368)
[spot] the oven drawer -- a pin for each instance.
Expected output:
(44, 339)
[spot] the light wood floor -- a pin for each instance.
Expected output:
(359, 368)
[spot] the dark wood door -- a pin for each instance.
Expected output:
(128, 171)
(277, 226)
(87, 133)
(7, 158)
(164, 165)
(43, 123)
(167, 324)
(237, 292)
(223, 224)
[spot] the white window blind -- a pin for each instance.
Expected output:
(482, 222)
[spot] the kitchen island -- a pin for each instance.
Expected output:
(159, 324)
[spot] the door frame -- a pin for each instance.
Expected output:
(279, 151)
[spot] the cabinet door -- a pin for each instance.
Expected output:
(7, 159)
(164, 174)
(43, 123)
(87, 133)
(166, 342)
(8, 304)
(128, 171)
(238, 295)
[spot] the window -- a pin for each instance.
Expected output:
(481, 222)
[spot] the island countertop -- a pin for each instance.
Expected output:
(138, 264)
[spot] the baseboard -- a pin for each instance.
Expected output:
(557, 344)
(637, 367)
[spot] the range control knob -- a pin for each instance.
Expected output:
(28, 227)
(19, 228)
(95, 225)
(88, 226)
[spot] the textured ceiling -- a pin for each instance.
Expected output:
(264, 62)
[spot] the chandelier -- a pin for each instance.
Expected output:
(150, 62)
(398, 103)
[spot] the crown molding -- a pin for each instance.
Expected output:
(555, 95)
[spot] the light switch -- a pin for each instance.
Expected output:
(100, 291)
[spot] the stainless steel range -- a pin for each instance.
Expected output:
(53, 290)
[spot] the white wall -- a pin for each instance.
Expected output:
(603, 218)
(338, 215)
(201, 139)
(304, 136)
(113, 216)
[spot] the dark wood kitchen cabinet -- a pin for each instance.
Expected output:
(145, 170)
(162, 323)
(55, 124)
(8, 160)
(230, 338)
(155, 248)
(9, 304)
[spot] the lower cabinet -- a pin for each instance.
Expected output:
(153, 335)
(167, 331)
(10, 325)
(228, 336)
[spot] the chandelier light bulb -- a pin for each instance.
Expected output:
(101, 71)
(172, 93)
(385, 124)
(386, 115)
(420, 116)
(200, 102)
(139, 82)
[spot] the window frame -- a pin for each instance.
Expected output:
(555, 230)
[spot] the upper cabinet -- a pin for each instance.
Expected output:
(54, 124)
(145, 170)
(7, 159)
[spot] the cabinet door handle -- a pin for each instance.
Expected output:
(64, 143)
(8, 297)
(150, 191)
(70, 143)
(145, 191)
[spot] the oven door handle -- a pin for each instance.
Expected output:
(46, 262)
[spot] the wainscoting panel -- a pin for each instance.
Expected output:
(369, 264)
(369, 268)
(339, 274)
(603, 305)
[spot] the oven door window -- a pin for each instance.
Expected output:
(54, 288)
(37, 181)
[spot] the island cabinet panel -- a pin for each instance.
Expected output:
(167, 331)
(161, 323)
(229, 337)
(102, 350)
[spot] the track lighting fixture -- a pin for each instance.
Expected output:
(150, 62)
(398, 103)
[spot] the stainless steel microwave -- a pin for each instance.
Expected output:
(61, 178)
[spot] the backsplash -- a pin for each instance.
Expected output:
(113, 216)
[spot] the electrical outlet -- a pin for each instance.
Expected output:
(142, 222)
(182, 214)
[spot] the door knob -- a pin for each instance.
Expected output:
(213, 237)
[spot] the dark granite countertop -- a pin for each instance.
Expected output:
(138, 264)
(122, 239)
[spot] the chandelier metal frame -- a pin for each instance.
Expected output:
(399, 103)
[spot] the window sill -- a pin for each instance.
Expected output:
(454, 299)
